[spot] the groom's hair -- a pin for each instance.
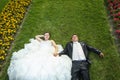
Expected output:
(73, 35)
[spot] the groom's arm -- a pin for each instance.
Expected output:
(65, 51)
(90, 48)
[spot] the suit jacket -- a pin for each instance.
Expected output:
(86, 49)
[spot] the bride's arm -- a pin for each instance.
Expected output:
(55, 46)
(38, 37)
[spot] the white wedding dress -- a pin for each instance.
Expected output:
(36, 62)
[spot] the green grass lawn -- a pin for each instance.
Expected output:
(62, 18)
(2, 4)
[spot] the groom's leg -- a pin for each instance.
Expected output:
(85, 71)
(85, 74)
(75, 71)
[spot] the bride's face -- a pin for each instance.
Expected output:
(46, 36)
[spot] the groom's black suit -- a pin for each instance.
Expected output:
(79, 68)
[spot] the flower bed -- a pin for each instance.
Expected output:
(10, 20)
(114, 9)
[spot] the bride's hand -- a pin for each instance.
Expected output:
(56, 54)
(38, 37)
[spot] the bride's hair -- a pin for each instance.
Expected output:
(46, 32)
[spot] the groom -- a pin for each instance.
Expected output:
(79, 53)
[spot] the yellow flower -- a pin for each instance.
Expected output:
(10, 19)
(1, 43)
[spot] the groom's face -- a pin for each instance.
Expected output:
(74, 38)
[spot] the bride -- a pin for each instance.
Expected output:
(38, 60)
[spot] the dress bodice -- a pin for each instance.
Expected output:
(46, 47)
(46, 43)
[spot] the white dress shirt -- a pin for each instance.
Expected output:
(78, 53)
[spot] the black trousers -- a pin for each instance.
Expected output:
(80, 70)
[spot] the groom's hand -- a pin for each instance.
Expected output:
(101, 55)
